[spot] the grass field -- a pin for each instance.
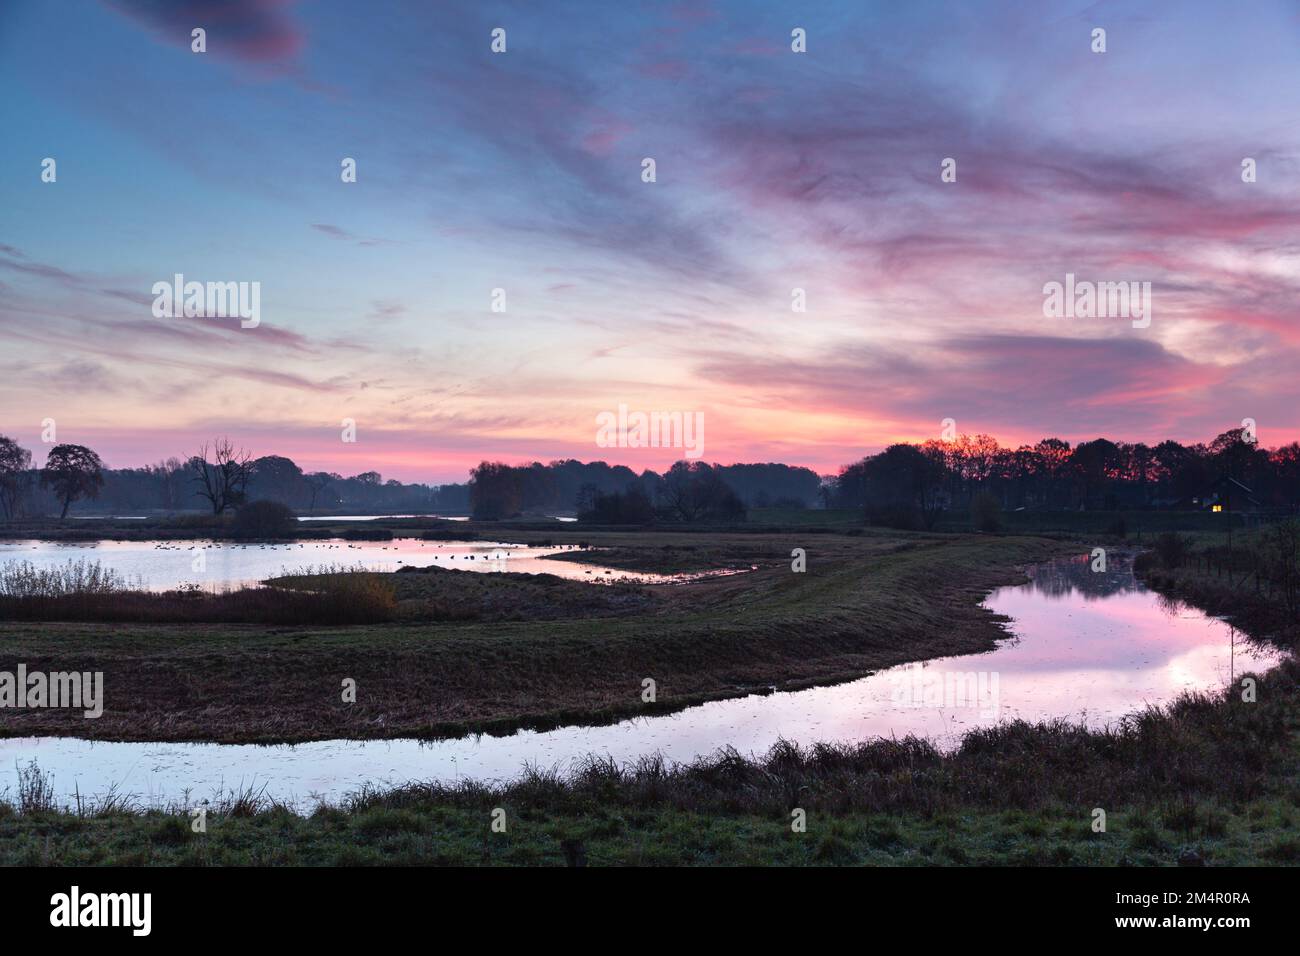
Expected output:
(866, 601)
(1209, 780)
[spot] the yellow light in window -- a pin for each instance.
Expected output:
(1218, 507)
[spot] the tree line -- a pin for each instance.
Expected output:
(904, 485)
(689, 491)
(218, 478)
(910, 484)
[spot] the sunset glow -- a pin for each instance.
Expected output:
(522, 172)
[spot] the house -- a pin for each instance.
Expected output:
(1229, 494)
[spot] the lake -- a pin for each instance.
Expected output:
(1082, 646)
(160, 565)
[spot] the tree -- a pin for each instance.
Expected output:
(223, 480)
(265, 519)
(694, 491)
(1235, 457)
(630, 506)
(1181, 470)
(585, 500)
(15, 476)
(276, 478)
(495, 491)
(902, 483)
(72, 471)
(316, 483)
(1094, 463)
(985, 512)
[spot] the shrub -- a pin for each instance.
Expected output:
(83, 591)
(264, 519)
(22, 579)
(902, 517)
(369, 534)
(986, 513)
(1172, 549)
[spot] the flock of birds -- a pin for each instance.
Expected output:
(497, 556)
(161, 546)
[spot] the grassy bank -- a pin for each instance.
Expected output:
(86, 591)
(1254, 579)
(1209, 780)
(866, 601)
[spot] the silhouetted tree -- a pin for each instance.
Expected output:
(15, 476)
(902, 487)
(495, 491)
(264, 519)
(693, 491)
(72, 472)
(316, 483)
(223, 480)
(630, 506)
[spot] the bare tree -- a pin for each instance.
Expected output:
(223, 480)
(317, 482)
(15, 476)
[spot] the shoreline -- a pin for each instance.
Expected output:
(719, 638)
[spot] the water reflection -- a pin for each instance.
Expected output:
(1075, 576)
(162, 565)
(1085, 648)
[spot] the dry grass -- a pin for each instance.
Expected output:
(864, 603)
(22, 579)
(84, 591)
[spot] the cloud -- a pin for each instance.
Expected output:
(336, 232)
(257, 31)
(1001, 384)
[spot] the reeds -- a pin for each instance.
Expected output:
(22, 579)
(87, 591)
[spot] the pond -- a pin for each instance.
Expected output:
(1083, 646)
(160, 565)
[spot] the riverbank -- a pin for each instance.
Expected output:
(1209, 780)
(865, 602)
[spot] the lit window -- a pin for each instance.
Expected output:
(1218, 507)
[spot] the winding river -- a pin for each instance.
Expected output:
(1083, 646)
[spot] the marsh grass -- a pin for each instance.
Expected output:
(1200, 747)
(22, 579)
(35, 791)
(1254, 579)
(1207, 778)
(86, 591)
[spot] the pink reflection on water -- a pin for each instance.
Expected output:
(1085, 647)
(162, 565)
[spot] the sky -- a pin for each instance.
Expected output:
(775, 170)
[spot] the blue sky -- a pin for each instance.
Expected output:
(521, 171)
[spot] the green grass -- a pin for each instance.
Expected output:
(1261, 832)
(1208, 780)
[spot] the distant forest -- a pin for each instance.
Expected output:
(222, 478)
(904, 485)
(911, 484)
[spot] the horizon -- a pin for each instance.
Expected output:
(640, 469)
(522, 171)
